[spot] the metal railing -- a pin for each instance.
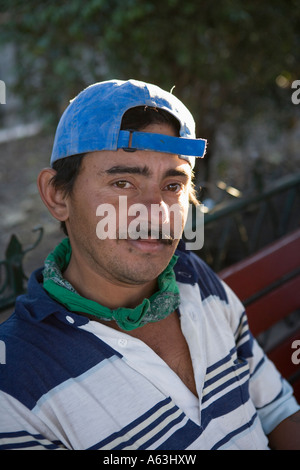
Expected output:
(12, 276)
(233, 230)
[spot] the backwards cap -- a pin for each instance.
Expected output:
(92, 122)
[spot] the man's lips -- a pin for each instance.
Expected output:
(150, 242)
(149, 245)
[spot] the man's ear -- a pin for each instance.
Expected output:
(53, 198)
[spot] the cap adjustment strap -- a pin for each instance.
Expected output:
(133, 140)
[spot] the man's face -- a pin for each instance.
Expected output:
(141, 177)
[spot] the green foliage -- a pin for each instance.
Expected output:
(222, 57)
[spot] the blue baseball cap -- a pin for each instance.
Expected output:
(92, 122)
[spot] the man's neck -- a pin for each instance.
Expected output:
(110, 294)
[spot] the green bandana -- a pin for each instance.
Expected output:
(158, 306)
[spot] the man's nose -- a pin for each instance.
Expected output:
(157, 209)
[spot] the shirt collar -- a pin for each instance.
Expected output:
(29, 305)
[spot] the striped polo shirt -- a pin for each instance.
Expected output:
(72, 383)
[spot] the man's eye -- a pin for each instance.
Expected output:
(122, 184)
(174, 187)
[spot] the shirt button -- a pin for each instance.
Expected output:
(192, 315)
(70, 319)
(122, 342)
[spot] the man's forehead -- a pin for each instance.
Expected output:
(145, 170)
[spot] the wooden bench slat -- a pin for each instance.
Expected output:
(264, 267)
(274, 306)
(296, 387)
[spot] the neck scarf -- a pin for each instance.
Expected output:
(163, 302)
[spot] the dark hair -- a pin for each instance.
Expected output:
(140, 117)
(67, 169)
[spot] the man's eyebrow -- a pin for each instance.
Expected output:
(176, 172)
(134, 170)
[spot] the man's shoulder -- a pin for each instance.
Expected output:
(44, 346)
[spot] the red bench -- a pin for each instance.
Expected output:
(268, 283)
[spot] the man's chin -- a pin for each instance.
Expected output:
(147, 260)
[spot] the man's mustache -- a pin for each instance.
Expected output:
(154, 234)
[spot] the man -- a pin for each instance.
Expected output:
(127, 340)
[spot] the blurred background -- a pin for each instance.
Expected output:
(232, 62)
